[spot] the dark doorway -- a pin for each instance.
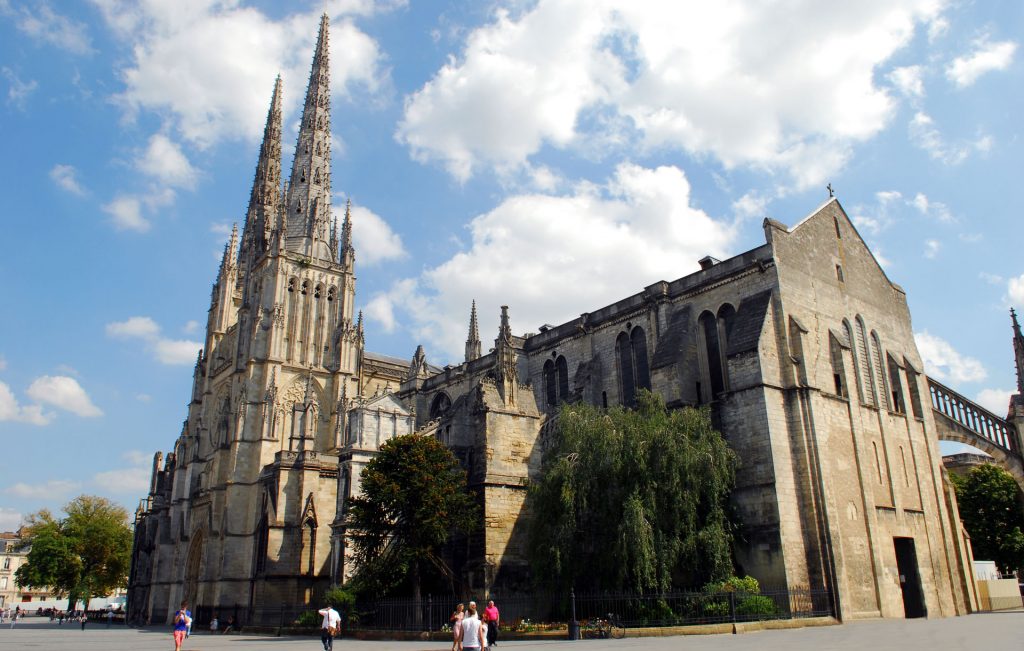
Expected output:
(910, 579)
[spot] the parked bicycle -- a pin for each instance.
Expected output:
(611, 627)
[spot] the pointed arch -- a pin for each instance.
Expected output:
(866, 374)
(627, 381)
(550, 381)
(641, 368)
(562, 373)
(711, 349)
(440, 405)
(885, 400)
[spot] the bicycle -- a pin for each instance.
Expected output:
(610, 627)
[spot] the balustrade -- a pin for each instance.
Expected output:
(972, 416)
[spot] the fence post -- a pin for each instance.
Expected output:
(430, 614)
(574, 626)
(732, 609)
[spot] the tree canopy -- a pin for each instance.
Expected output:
(85, 554)
(632, 500)
(990, 508)
(414, 496)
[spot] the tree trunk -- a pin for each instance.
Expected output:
(417, 595)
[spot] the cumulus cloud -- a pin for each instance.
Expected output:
(210, 66)
(53, 489)
(373, 238)
(925, 135)
(876, 218)
(10, 410)
(43, 24)
(986, 56)
(1015, 291)
(10, 519)
(907, 80)
(932, 248)
(164, 160)
(131, 480)
(126, 214)
(64, 393)
(944, 363)
(527, 251)
(66, 178)
(164, 350)
(681, 76)
(995, 400)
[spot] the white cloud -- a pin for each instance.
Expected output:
(877, 218)
(995, 400)
(924, 134)
(18, 91)
(932, 248)
(210, 66)
(53, 489)
(373, 238)
(164, 161)
(931, 208)
(136, 326)
(165, 351)
(985, 57)
(66, 177)
(133, 480)
(126, 213)
(907, 80)
(10, 519)
(944, 363)
(531, 243)
(1015, 291)
(991, 279)
(43, 24)
(190, 327)
(681, 76)
(10, 410)
(64, 393)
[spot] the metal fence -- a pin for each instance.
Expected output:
(540, 611)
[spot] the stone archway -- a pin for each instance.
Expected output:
(193, 564)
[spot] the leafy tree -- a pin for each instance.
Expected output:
(413, 497)
(632, 499)
(990, 508)
(86, 554)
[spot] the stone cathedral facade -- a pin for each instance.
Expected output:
(802, 348)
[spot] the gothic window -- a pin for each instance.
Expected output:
(440, 405)
(305, 288)
(866, 374)
(308, 547)
(838, 370)
(839, 273)
(262, 538)
(853, 354)
(641, 370)
(316, 291)
(562, 371)
(895, 387)
(839, 234)
(330, 294)
(550, 390)
(316, 177)
(627, 381)
(302, 176)
(715, 379)
(291, 285)
(880, 384)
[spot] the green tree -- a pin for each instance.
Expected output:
(990, 507)
(414, 497)
(632, 500)
(83, 555)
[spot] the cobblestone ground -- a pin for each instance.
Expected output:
(985, 631)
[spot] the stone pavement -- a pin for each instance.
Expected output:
(984, 631)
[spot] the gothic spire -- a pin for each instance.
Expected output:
(228, 262)
(309, 190)
(473, 340)
(347, 257)
(1018, 351)
(261, 217)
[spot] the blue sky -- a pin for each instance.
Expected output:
(552, 156)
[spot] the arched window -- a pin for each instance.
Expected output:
(848, 329)
(549, 383)
(866, 375)
(895, 387)
(262, 538)
(440, 405)
(627, 381)
(308, 547)
(838, 368)
(708, 330)
(638, 341)
(562, 371)
(879, 368)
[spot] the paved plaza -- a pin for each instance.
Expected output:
(984, 631)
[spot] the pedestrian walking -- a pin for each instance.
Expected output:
(491, 615)
(456, 620)
(83, 618)
(472, 633)
(182, 619)
(330, 626)
(14, 616)
(110, 617)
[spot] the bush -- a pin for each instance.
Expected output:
(344, 601)
(309, 618)
(755, 605)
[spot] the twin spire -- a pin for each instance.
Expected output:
(298, 216)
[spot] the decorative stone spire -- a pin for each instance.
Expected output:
(473, 340)
(309, 190)
(1018, 351)
(230, 260)
(348, 253)
(264, 201)
(505, 359)
(418, 365)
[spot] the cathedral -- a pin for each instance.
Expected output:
(801, 348)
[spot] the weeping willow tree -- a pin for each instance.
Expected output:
(632, 500)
